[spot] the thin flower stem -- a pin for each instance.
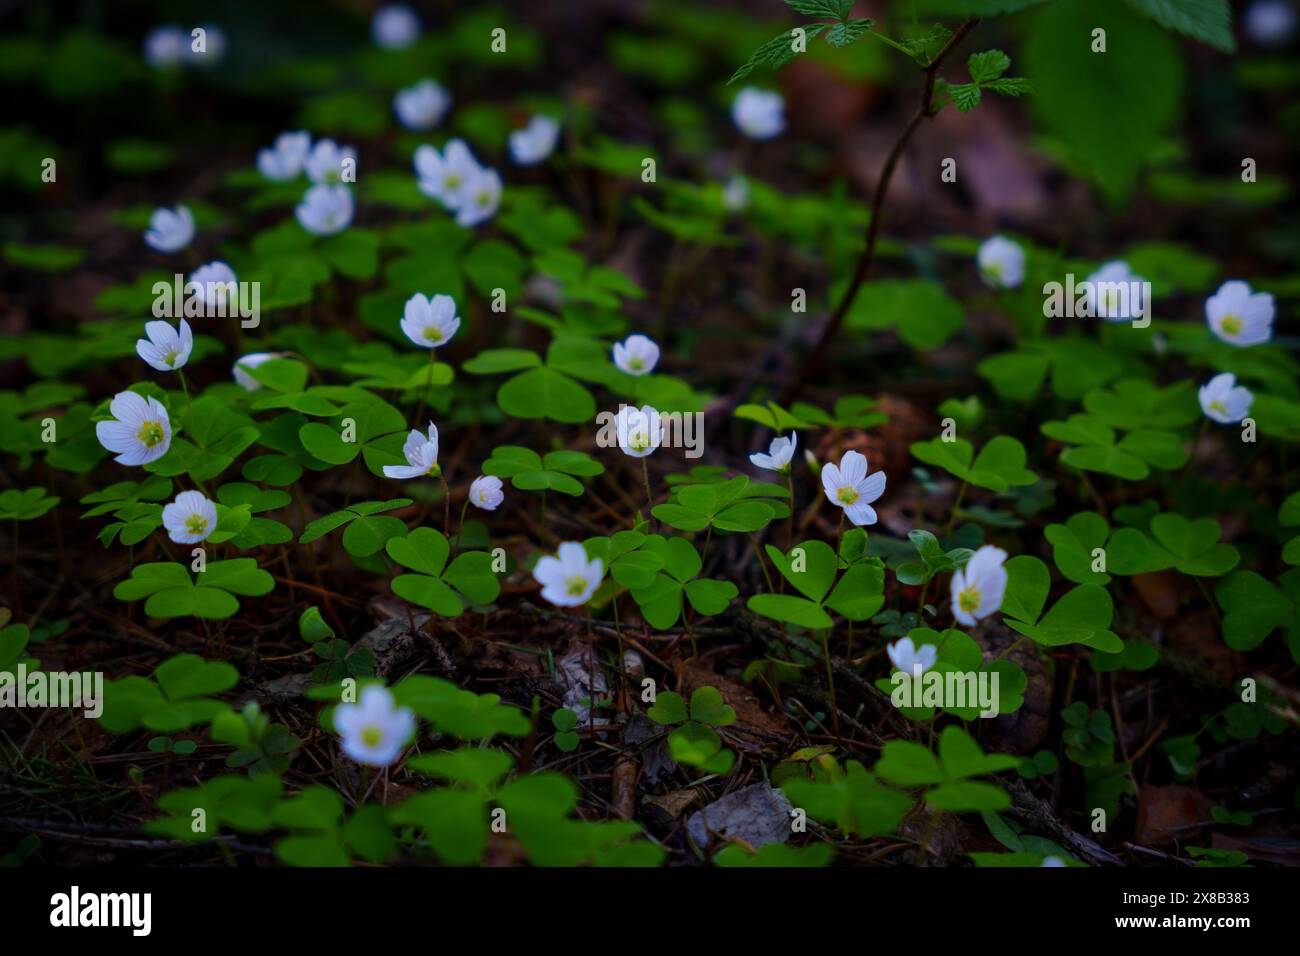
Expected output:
(460, 527)
(956, 505)
(761, 563)
(424, 399)
(189, 404)
(649, 495)
(789, 479)
(446, 506)
(830, 683)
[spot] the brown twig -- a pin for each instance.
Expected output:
(923, 111)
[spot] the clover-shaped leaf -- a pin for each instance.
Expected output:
(1073, 544)
(1194, 545)
(25, 505)
(529, 471)
(374, 429)
(734, 505)
(368, 530)
(445, 590)
(458, 712)
(1254, 608)
(171, 592)
(947, 777)
(660, 599)
(811, 567)
(1081, 616)
(999, 465)
(179, 696)
(956, 653)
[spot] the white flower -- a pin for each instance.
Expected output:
(1052, 861)
(375, 729)
(252, 360)
(421, 456)
(430, 323)
(325, 210)
(1270, 22)
(285, 160)
(395, 27)
(1001, 262)
(636, 355)
(977, 588)
(849, 487)
(486, 493)
(217, 282)
(214, 46)
(1224, 401)
(190, 518)
(569, 579)
(166, 349)
(735, 194)
(481, 197)
(139, 431)
(640, 430)
(326, 161)
(534, 142)
(170, 229)
(444, 176)
(165, 47)
(422, 106)
(1238, 316)
(759, 114)
(779, 454)
(1108, 299)
(906, 656)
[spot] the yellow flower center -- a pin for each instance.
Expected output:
(170, 357)
(1217, 406)
(484, 198)
(1231, 324)
(576, 585)
(636, 364)
(847, 495)
(452, 181)
(433, 333)
(150, 434)
(372, 736)
(640, 441)
(196, 524)
(969, 599)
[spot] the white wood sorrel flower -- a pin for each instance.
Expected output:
(421, 456)
(1001, 262)
(977, 589)
(1112, 305)
(190, 518)
(375, 729)
(395, 27)
(759, 114)
(640, 430)
(139, 431)
(217, 282)
(170, 229)
(487, 493)
(1223, 400)
(534, 142)
(285, 160)
(569, 578)
(166, 349)
(779, 454)
(326, 161)
(430, 322)
(422, 106)
(636, 355)
(1238, 316)
(906, 656)
(481, 198)
(325, 210)
(444, 176)
(848, 486)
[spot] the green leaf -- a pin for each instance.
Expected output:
(708, 707)
(1209, 21)
(1086, 100)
